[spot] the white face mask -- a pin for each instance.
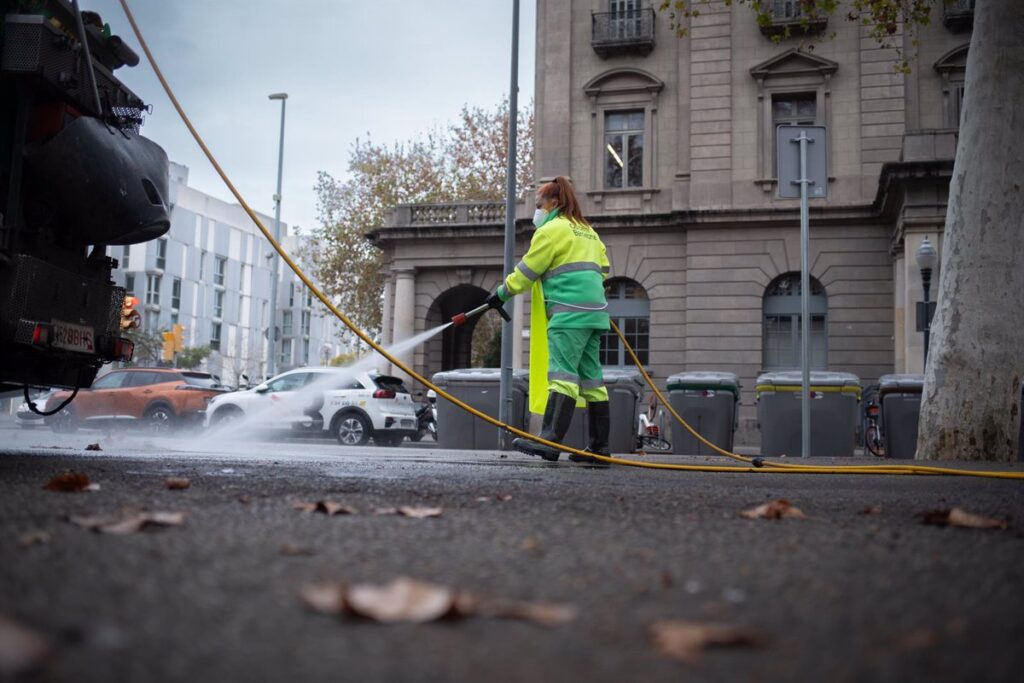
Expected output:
(538, 217)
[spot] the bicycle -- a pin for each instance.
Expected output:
(650, 429)
(873, 438)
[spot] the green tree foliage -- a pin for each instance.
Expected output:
(461, 162)
(191, 356)
(883, 18)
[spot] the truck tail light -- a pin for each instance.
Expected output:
(124, 349)
(384, 393)
(41, 335)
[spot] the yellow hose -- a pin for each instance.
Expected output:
(761, 466)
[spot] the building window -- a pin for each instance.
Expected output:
(630, 309)
(305, 352)
(218, 304)
(161, 253)
(153, 290)
(129, 285)
(202, 265)
(176, 293)
(782, 324)
(243, 277)
(286, 352)
(794, 109)
(291, 294)
(286, 322)
(309, 297)
(215, 336)
(218, 273)
(624, 149)
(305, 323)
(152, 323)
(125, 253)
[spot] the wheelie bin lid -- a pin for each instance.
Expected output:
(821, 381)
(477, 376)
(900, 384)
(623, 376)
(705, 381)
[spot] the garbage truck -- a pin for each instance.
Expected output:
(75, 178)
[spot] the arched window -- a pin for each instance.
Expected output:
(630, 309)
(782, 324)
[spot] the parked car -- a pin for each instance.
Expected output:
(27, 417)
(352, 407)
(162, 399)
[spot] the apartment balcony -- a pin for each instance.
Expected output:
(959, 15)
(789, 15)
(625, 32)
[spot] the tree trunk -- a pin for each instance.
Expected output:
(971, 403)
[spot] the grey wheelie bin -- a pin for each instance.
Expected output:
(834, 400)
(708, 402)
(479, 387)
(624, 390)
(899, 397)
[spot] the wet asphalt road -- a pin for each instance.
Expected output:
(840, 596)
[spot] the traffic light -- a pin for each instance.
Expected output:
(130, 318)
(168, 351)
(178, 336)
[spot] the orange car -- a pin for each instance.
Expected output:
(161, 399)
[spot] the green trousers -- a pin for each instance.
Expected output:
(574, 364)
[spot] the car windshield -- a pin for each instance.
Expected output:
(200, 379)
(392, 383)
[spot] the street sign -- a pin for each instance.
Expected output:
(788, 161)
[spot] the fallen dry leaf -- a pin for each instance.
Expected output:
(93, 447)
(21, 649)
(685, 640)
(407, 600)
(295, 550)
(962, 518)
(871, 510)
(34, 538)
(327, 507)
(127, 522)
(776, 509)
(177, 483)
(68, 482)
(419, 512)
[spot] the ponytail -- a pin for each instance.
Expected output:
(560, 190)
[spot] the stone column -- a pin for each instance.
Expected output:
(405, 313)
(387, 316)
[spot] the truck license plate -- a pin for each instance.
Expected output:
(73, 337)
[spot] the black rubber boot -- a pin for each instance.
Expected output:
(557, 417)
(599, 421)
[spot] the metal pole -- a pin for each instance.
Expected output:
(805, 318)
(505, 388)
(275, 260)
(926, 283)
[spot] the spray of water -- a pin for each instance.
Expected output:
(278, 410)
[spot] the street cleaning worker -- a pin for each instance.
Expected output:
(565, 266)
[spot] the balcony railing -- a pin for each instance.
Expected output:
(789, 15)
(479, 213)
(959, 15)
(627, 31)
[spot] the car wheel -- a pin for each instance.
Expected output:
(352, 430)
(388, 440)
(64, 422)
(159, 419)
(226, 415)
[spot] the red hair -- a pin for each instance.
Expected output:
(560, 190)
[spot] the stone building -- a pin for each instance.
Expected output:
(670, 144)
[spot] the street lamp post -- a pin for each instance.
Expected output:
(926, 256)
(274, 275)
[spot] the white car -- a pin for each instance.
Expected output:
(353, 407)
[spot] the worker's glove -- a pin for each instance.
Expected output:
(495, 302)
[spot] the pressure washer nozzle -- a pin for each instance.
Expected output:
(458, 319)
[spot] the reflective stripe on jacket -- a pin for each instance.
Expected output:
(571, 264)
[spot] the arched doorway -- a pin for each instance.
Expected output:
(781, 350)
(453, 348)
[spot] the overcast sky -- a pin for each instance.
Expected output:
(387, 68)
